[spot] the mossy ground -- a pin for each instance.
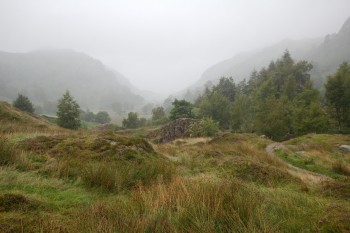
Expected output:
(90, 181)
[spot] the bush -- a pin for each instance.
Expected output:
(102, 117)
(133, 121)
(23, 103)
(206, 127)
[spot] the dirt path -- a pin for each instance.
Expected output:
(305, 175)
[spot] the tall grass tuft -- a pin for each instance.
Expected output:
(7, 153)
(118, 176)
(341, 168)
(181, 206)
(10, 156)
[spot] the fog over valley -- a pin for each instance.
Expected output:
(174, 116)
(164, 46)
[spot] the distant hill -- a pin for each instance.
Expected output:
(334, 50)
(44, 75)
(325, 54)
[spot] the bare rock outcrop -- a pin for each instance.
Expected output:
(179, 128)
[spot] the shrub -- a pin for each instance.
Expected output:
(102, 117)
(133, 121)
(23, 103)
(206, 127)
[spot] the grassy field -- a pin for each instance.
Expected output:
(56, 180)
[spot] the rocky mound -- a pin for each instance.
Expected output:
(107, 146)
(179, 128)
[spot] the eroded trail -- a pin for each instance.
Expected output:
(306, 175)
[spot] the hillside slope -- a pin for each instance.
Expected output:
(13, 120)
(44, 75)
(107, 182)
(325, 54)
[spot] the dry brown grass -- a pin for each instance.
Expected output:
(13, 120)
(185, 205)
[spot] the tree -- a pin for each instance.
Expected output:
(338, 95)
(23, 103)
(272, 118)
(102, 117)
(216, 106)
(181, 109)
(132, 121)
(68, 112)
(227, 88)
(158, 113)
(242, 114)
(87, 116)
(308, 115)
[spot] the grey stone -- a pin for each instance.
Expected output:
(345, 148)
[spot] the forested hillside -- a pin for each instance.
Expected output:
(279, 101)
(324, 54)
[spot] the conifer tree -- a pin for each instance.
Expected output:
(68, 112)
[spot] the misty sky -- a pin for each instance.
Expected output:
(163, 45)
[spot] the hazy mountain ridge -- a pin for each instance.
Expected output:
(147, 95)
(334, 50)
(325, 54)
(44, 75)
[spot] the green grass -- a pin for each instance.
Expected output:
(307, 164)
(45, 202)
(88, 124)
(55, 192)
(108, 182)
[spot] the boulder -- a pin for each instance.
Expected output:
(344, 148)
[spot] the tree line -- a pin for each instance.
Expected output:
(278, 101)
(69, 114)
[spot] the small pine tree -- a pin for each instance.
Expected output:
(23, 103)
(68, 112)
